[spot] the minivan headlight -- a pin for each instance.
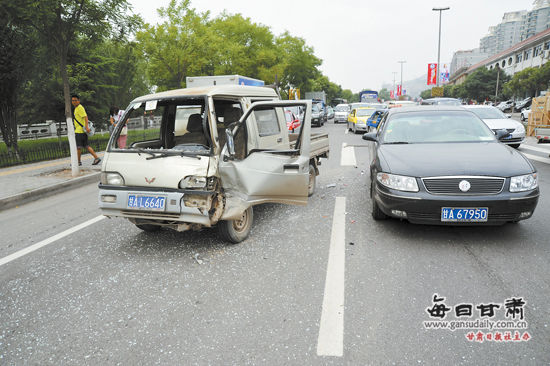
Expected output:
(524, 183)
(112, 179)
(398, 182)
(192, 181)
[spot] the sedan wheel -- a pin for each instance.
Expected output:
(376, 212)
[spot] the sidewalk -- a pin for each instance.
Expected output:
(25, 183)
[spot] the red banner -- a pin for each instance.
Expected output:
(432, 74)
(398, 90)
(392, 95)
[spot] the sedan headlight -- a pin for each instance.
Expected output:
(524, 183)
(398, 182)
(112, 179)
(520, 129)
(192, 181)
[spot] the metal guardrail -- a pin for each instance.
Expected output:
(47, 151)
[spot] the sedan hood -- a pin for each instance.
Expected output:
(432, 160)
(501, 123)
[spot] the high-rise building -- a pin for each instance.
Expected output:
(536, 20)
(466, 58)
(503, 35)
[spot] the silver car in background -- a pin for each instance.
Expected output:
(496, 120)
(341, 112)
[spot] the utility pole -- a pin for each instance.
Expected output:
(402, 62)
(440, 10)
(496, 89)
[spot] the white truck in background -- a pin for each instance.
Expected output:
(196, 81)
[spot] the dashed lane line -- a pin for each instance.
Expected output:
(331, 330)
(50, 240)
(534, 148)
(537, 158)
(348, 155)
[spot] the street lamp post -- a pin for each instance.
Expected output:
(402, 62)
(440, 10)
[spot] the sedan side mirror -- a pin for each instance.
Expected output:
(509, 115)
(370, 136)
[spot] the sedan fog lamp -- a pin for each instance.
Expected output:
(398, 213)
(525, 214)
(523, 183)
(112, 179)
(398, 182)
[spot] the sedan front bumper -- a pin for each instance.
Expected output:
(425, 208)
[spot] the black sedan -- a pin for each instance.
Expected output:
(443, 165)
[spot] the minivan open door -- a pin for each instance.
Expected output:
(261, 162)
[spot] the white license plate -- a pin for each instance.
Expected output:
(144, 202)
(452, 214)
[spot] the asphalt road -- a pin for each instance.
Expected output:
(109, 293)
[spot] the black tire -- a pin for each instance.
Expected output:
(522, 118)
(376, 212)
(312, 181)
(235, 231)
(148, 227)
(515, 146)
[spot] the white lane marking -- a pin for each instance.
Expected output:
(331, 330)
(537, 158)
(534, 148)
(348, 155)
(50, 240)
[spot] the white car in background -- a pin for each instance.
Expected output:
(496, 120)
(525, 114)
(341, 113)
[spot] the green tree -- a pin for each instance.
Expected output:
(16, 44)
(481, 84)
(299, 64)
(59, 23)
(384, 94)
(183, 45)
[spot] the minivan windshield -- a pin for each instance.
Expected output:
(170, 125)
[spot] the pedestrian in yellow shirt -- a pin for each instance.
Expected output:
(80, 129)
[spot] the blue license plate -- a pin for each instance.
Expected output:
(150, 203)
(451, 214)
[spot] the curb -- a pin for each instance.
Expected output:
(25, 197)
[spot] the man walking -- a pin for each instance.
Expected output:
(80, 129)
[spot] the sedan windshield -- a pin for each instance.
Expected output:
(488, 113)
(435, 126)
(365, 112)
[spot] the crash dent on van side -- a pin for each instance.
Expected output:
(173, 168)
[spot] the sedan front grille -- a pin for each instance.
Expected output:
(450, 185)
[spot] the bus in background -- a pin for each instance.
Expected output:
(368, 96)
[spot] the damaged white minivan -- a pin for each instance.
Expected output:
(202, 157)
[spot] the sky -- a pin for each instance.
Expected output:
(361, 42)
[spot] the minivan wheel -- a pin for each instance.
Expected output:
(312, 181)
(235, 231)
